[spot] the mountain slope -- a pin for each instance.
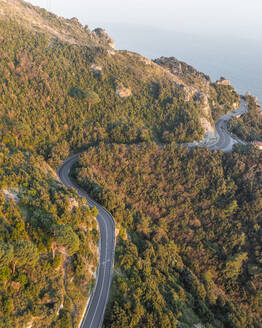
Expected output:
(41, 21)
(52, 237)
(63, 88)
(160, 105)
(189, 246)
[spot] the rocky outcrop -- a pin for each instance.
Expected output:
(249, 94)
(223, 81)
(102, 37)
(72, 203)
(96, 68)
(11, 195)
(209, 129)
(111, 52)
(123, 92)
(206, 120)
(196, 86)
(187, 73)
(40, 20)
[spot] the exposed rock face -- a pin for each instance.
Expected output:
(223, 81)
(75, 21)
(40, 20)
(146, 61)
(102, 37)
(209, 129)
(111, 52)
(11, 195)
(235, 105)
(206, 121)
(123, 92)
(96, 68)
(249, 94)
(195, 85)
(184, 71)
(72, 203)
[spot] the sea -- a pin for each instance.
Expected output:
(238, 60)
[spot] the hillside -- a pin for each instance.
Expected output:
(190, 228)
(139, 100)
(188, 222)
(39, 20)
(48, 245)
(249, 126)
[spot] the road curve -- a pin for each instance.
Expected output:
(226, 141)
(93, 317)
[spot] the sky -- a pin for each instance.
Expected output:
(238, 18)
(218, 37)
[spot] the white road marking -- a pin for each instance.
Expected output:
(101, 291)
(64, 176)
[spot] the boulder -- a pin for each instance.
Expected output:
(123, 92)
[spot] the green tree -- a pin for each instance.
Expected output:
(64, 320)
(25, 253)
(234, 265)
(92, 98)
(63, 235)
(7, 305)
(59, 152)
(6, 254)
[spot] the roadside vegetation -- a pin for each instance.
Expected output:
(248, 127)
(190, 233)
(52, 100)
(224, 99)
(48, 245)
(189, 222)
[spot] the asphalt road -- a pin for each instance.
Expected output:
(226, 141)
(93, 317)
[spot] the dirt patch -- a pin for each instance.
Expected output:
(11, 195)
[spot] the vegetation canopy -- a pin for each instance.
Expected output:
(188, 231)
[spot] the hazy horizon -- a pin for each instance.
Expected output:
(215, 50)
(237, 18)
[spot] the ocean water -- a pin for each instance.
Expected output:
(239, 60)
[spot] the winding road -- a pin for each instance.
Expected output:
(94, 314)
(226, 141)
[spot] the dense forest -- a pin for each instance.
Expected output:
(46, 102)
(188, 222)
(48, 245)
(189, 245)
